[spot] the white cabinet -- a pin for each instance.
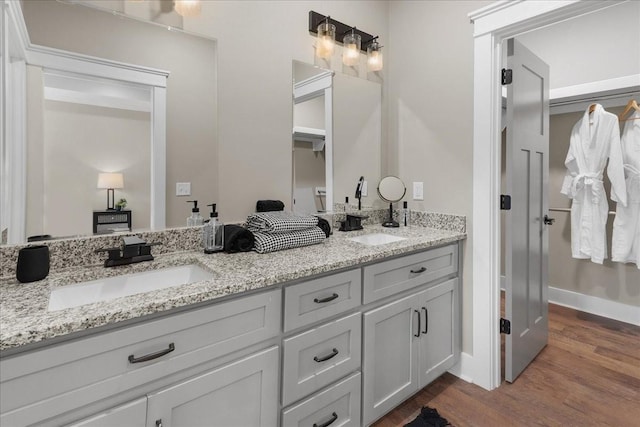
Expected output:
(132, 414)
(134, 357)
(243, 393)
(407, 344)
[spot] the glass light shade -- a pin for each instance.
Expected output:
(326, 40)
(351, 52)
(374, 56)
(188, 7)
(110, 180)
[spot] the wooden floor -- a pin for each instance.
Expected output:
(588, 375)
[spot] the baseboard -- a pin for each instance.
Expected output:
(595, 305)
(463, 369)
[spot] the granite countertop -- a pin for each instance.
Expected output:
(24, 318)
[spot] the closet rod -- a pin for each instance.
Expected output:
(569, 210)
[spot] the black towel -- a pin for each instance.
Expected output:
(269, 206)
(237, 239)
(428, 417)
(324, 225)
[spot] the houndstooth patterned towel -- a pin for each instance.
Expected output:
(279, 222)
(271, 242)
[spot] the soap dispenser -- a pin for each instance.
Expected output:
(213, 233)
(195, 218)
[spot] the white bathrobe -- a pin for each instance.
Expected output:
(594, 139)
(625, 246)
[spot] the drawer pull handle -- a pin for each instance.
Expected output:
(333, 354)
(133, 359)
(334, 417)
(420, 270)
(426, 320)
(418, 334)
(327, 299)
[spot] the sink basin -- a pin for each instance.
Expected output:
(376, 239)
(128, 284)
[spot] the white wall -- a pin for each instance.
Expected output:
(430, 85)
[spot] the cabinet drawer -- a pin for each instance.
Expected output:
(389, 277)
(340, 402)
(320, 356)
(319, 299)
(92, 368)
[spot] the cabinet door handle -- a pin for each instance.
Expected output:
(146, 358)
(420, 270)
(426, 320)
(327, 299)
(159, 423)
(333, 354)
(418, 334)
(334, 417)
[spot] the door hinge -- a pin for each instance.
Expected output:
(505, 326)
(507, 76)
(505, 202)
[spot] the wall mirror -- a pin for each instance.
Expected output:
(336, 137)
(78, 123)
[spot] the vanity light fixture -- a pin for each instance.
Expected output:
(352, 43)
(374, 55)
(326, 39)
(110, 181)
(188, 8)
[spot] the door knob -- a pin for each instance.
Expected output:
(548, 220)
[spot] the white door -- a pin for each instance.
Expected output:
(526, 232)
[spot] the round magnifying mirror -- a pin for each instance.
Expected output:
(391, 189)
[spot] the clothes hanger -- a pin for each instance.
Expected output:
(592, 108)
(631, 105)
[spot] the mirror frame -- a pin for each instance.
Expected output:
(153, 79)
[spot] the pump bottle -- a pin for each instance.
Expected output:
(195, 218)
(213, 233)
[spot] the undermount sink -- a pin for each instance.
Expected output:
(376, 239)
(127, 284)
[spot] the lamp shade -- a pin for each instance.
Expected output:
(110, 180)
(351, 53)
(374, 56)
(326, 39)
(188, 7)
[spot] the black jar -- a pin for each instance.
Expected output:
(33, 263)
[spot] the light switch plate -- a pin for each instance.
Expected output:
(364, 188)
(418, 191)
(183, 188)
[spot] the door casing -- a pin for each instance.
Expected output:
(492, 25)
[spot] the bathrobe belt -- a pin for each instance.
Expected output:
(592, 179)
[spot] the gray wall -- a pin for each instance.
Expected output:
(430, 85)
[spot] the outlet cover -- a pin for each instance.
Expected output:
(418, 191)
(183, 188)
(364, 189)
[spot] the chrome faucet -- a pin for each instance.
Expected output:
(133, 250)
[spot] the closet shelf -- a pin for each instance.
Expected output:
(313, 135)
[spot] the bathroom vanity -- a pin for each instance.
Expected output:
(333, 334)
